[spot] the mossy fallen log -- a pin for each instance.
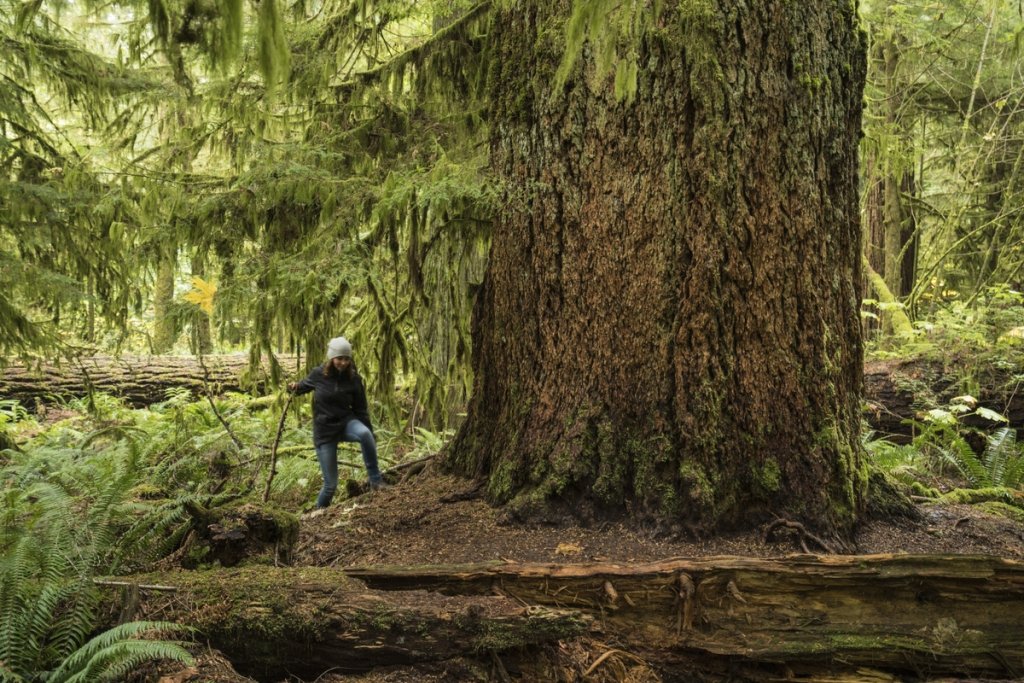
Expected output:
(900, 614)
(274, 622)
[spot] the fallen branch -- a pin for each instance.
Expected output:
(273, 449)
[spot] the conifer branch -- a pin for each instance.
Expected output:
(416, 54)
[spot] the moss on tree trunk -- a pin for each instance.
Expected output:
(669, 321)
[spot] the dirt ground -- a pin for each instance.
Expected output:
(411, 523)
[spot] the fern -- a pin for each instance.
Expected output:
(62, 516)
(960, 454)
(1000, 465)
(115, 652)
(1003, 458)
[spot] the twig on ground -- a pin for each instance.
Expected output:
(601, 660)
(500, 668)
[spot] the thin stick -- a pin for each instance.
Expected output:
(209, 397)
(273, 449)
(129, 584)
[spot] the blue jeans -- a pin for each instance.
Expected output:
(327, 454)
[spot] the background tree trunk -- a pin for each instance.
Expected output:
(165, 328)
(669, 323)
(891, 232)
(202, 336)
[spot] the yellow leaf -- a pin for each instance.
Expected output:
(202, 294)
(568, 549)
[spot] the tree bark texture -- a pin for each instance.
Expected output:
(669, 324)
(165, 329)
(140, 380)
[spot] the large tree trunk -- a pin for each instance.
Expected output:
(669, 323)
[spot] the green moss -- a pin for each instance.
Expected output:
(147, 491)
(502, 483)
(612, 470)
(992, 494)
(496, 636)
(696, 485)
(1003, 510)
(256, 606)
(768, 477)
(919, 489)
(649, 455)
(287, 525)
(874, 643)
(813, 83)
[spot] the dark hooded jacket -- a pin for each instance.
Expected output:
(337, 398)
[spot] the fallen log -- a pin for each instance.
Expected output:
(813, 617)
(272, 623)
(893, 614)
(140, 380)
(897, 391)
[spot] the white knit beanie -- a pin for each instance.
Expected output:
(339, 346)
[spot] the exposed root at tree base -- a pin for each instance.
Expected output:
(802, 536)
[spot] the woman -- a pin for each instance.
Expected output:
(339, 414)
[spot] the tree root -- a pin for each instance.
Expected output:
(802, 535)
(469, 494)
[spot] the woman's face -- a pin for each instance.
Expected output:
(341, 363)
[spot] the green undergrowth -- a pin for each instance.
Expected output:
(961, 452)
(100, 488)
(950, 462)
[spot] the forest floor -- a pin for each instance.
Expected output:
(411, 524)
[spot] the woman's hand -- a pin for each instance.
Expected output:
(292, 386)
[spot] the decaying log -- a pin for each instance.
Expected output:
(275, 622)
(901, 614)
(140, 380)
(896, 391)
